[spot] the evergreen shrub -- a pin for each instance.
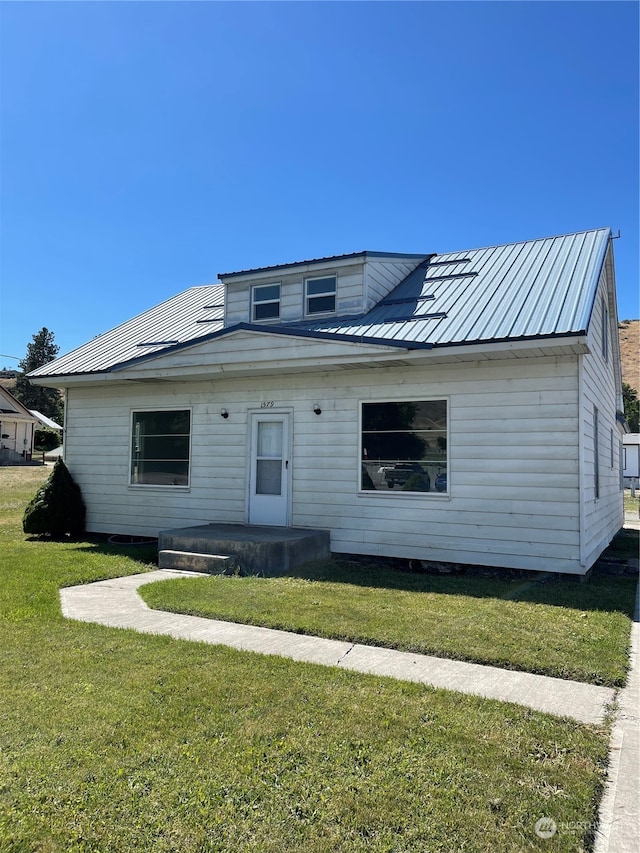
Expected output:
(57, 507)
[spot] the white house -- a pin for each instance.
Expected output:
(17, 426)
(631, 459)
(462, 407)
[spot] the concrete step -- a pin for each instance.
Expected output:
(260, 550)
(191, 561)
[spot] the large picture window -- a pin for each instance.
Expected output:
(160, 448)
(404, 446)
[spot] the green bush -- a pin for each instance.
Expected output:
(46, 438)
(57, 507)
(417, 483)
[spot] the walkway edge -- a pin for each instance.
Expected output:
(619, 813)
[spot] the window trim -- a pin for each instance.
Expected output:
(596, 453)
(307, 297)
(255, 302)
(185, 487)
(386, 494)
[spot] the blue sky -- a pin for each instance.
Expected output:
(148, 146)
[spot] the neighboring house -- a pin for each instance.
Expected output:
(17, 426)
(462, 407)
(631, 459)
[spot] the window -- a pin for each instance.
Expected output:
(605, 330)
(596, 453)
(612, 450)
(160, 448)
(404, 446)
(320, 295)
(266, 302)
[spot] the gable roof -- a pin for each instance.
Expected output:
(11, 406)
(532, 289)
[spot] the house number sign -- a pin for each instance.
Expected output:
(267, 404)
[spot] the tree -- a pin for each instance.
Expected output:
(48, 401)
(631, 407)
(57, 507)
(46, 439)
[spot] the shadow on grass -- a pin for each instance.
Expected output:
(608, 593)
(145, 553)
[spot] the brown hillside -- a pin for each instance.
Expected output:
(629, 331)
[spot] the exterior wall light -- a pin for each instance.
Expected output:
(317, 409)
(224, 413)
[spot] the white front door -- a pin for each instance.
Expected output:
(269, 470)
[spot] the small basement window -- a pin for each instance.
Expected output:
(160, 448)
(320, 295)
(265, 302)
(404, 447)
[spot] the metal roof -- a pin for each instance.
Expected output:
(538, 288)
(350, 256)
(532, 289)
(192, 314)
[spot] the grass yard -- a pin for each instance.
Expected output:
(117, 742)
(632, 504)
(561, 628)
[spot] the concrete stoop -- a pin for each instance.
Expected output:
(246, 549)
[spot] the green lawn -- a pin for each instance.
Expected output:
(117, 742)
(632, 505)
(561, 628)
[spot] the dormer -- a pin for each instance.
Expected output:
(343, 285)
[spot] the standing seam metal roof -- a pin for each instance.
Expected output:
(537, 288)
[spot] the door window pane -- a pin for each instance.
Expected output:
(269, 477)
(270, 439)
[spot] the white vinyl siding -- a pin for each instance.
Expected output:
(359, 287)
(513, 460)
(602, 509)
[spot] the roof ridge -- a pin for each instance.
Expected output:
(532, 240)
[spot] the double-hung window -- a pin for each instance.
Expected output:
(160, 448)
(404, 446)
(320, 295)
(265, 302)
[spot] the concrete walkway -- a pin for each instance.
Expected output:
(116, 603)
(619, 816)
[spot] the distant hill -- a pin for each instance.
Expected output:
(629, 331)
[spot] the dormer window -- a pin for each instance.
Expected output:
(265, 302)
(320, 295)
